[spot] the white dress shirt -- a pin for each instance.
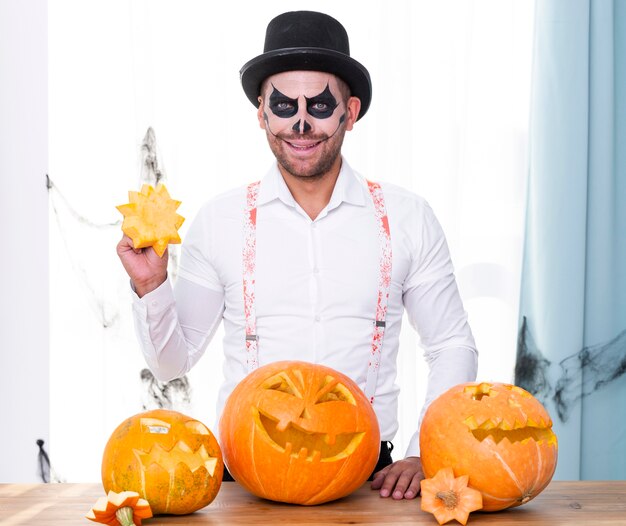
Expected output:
(316, 288)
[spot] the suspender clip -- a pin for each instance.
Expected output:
(380, 323)
(251, 337)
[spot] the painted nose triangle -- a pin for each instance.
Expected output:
(298, 127)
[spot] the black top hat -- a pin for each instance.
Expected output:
(305, 40)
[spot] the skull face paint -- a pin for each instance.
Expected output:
(321, 106)
(305, 117)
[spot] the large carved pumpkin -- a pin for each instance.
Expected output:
(497, 434)
(300, 433)
(171, 460)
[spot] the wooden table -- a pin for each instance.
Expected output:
(562, 503)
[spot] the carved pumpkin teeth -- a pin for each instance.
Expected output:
(282, 425)
(169, 459)
(524, 434)
(292, 440)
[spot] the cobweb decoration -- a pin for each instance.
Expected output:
(578, 376)
(101, 292)
(45, 471)
(150, 171)
(531, 367)
(73, 227)
(174, 395)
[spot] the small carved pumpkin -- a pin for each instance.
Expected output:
(171, 460)
(300, 433)
(497, 434)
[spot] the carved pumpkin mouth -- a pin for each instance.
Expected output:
(168, 459)
(300, 443)
(519, 427)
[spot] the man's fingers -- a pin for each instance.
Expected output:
(402, 484)
(400, 480)
(379, 477)
(414, 487)
(389, 482)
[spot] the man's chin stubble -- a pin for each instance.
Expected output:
(314, 173)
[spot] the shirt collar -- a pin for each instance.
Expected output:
(349, 188)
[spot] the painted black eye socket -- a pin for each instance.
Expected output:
(283, 109)
(281, 105)
(322, 105)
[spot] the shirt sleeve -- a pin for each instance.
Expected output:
(434, 308)
(174, 326)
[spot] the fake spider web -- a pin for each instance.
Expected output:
(577, 376)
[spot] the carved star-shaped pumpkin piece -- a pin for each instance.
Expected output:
(150, 218)
(125, 508)
(448, 498)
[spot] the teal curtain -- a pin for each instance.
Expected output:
(572, 341)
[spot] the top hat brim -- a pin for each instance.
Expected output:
(255, 71)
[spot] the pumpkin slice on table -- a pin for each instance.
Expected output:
(124, 509)
(447, 497)
(150, 219)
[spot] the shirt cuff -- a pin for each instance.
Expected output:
(414, 446)
(156, 301)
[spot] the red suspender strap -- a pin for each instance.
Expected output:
(249, 264)
(384, 280)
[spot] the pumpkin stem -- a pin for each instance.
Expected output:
(125, 516)
(450, 498)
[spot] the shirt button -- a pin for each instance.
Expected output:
(317, 318)
(154, 303)
(316, 270)
(313, 225)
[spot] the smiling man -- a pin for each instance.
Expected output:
(304, 132)
(312, 262)
(305, 115)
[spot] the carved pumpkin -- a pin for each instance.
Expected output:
(497, 434)
(300, 433)
(150, 219)
(171, 460)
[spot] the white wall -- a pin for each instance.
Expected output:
(115, 72)
(24, 357)
(448, 120)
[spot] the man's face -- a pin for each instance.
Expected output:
(305, 117)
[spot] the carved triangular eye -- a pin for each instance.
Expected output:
(281, 382)
(337, 393)
(155, 426)
(197, 427)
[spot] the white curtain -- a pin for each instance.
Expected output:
(448, 120)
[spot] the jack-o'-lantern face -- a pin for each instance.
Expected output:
(171, 460)
(312, 418)
(497, 434)
(289, 428)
